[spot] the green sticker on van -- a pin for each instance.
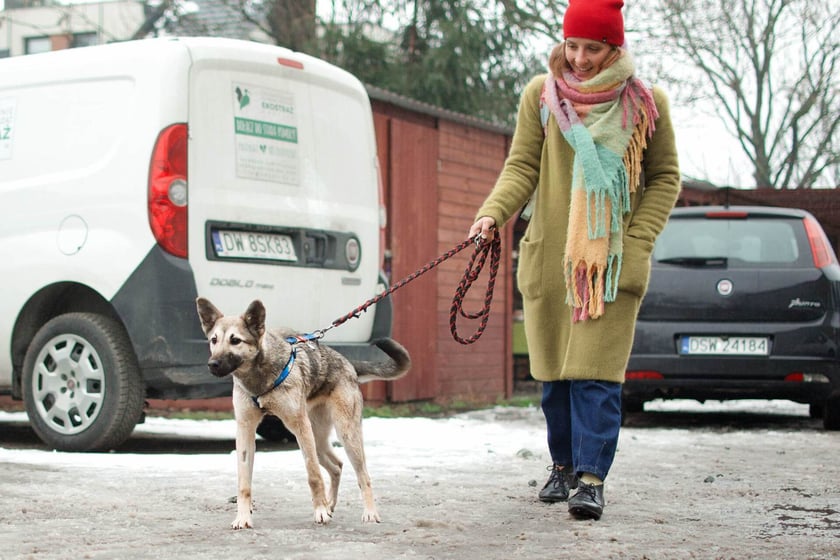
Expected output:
(266, 134)
(262, 129)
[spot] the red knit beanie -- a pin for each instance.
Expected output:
(598, 20)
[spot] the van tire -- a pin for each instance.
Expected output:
(632, 406)
(272, 429)
(831, 415)
(81, 383)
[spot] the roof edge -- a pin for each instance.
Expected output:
(379, 94)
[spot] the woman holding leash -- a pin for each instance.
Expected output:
(594, 156)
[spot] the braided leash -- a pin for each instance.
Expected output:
(479, 256)
(482, 249)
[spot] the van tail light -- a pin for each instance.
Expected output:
(820, 247)
(168, 190)
(638, 375)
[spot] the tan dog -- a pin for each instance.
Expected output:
(310, 387)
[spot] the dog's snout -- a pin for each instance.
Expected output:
(224, 364)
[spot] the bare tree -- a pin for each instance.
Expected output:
(771, 68)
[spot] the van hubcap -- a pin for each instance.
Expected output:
(68, 384)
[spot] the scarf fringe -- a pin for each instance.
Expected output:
(591, 286)
(637, 100)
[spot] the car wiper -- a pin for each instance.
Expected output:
(695, 261)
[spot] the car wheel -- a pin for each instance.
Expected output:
(272, 429)
(632, 406)
(831, 417)
(81, 383)
(816, 410)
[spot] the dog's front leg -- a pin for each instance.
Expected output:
(248, 418)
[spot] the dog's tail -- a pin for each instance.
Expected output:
(396, 367)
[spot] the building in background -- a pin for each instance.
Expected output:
(33, 26)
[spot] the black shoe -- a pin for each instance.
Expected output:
(588, 501)
(560, 481)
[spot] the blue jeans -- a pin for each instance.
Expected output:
(583, 419)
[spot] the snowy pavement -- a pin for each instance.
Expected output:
(744, 479)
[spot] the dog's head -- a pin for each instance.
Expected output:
(234, 340)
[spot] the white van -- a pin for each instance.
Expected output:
(139, 175)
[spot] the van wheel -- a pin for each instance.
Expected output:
(81, 383)
(831, 417)
(632, 406)
(272, 429)
(816, 410)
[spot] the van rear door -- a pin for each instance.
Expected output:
(283, 186)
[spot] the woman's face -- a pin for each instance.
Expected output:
(586, 57)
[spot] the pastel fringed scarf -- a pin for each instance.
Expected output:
(607, 121)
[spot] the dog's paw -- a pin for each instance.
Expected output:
(322, 515)
(370, 516)
(242, 523)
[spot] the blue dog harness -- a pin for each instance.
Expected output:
(287, 369)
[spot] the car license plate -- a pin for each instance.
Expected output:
(725, 345)
(230, 244)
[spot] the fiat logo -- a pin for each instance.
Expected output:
(725, 287)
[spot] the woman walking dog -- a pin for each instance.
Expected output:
(594, 153)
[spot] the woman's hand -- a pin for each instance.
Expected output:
(483, 227)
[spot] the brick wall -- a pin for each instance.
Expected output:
(469, 162)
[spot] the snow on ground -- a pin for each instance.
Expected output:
(399, 442)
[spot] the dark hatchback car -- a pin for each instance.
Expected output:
(744, 303)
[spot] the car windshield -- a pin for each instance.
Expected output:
(697, 241)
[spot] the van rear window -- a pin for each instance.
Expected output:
(740, 243)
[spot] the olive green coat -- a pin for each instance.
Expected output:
(597, 348)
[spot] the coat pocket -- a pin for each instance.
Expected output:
(529, 271)
(635, 270)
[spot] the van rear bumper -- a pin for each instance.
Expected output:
(195, 381)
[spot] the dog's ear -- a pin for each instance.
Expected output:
(254, 318)
(208, 313)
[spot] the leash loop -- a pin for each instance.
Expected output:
(483, 248)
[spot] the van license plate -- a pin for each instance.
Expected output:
(725, 346)
(252, 245)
